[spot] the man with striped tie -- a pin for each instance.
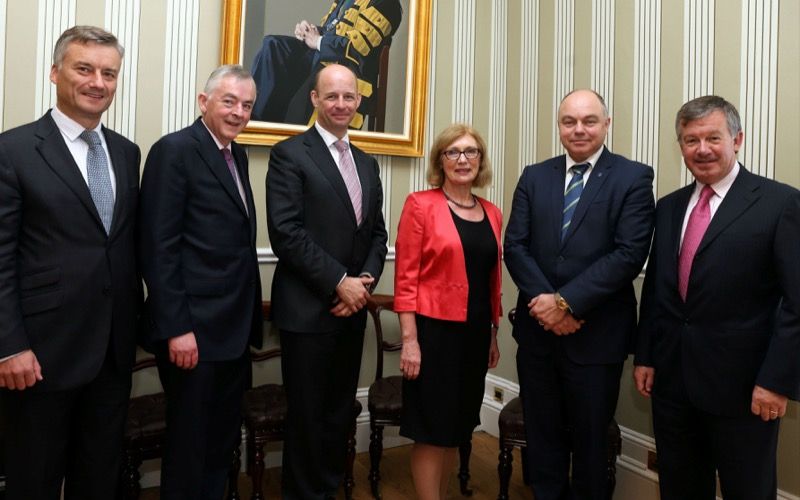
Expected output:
(578, 235)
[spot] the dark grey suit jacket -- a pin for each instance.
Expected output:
(67, 290)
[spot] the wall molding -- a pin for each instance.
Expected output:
(603, 55)
(498, 66)
(463, 61)
(417, 179)
(180, 64)
(563, 60)
(528, 84)
(647, 81)
(122, 18)
(55, 16)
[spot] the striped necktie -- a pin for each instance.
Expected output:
(98, 178)
(350, 176)
(572, 195)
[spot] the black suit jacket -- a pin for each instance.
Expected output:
(197, 247)
(67, 289)
(740, 324)
(313, 231)
(594, 267)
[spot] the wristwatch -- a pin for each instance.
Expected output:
(561, 302)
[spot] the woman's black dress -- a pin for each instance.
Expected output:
(442, 406)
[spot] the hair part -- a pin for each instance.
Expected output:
(449, 135)
(228, 70)
(701, 107)
(84, 35)
(599, 97)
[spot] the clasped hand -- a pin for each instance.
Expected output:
(543, 307)
(353, 294)
(307, 33)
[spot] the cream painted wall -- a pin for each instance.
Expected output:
(516, 111)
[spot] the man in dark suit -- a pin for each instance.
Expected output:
(719, 332)
(324, 200)
(577, 236)
(198, 257)
(352, 33)
(69, 289)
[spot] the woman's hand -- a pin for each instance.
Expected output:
(410, 359)
(494, 351)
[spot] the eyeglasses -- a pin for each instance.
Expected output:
(455, 154)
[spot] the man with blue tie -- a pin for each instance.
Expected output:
(70, 293)
(718, 344)
(352, 34)
(577, 236)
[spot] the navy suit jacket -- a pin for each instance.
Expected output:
(313, 231)
(197, 247)
(595, 265)
(67, 290)
(740, 324)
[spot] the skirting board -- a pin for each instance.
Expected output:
(634, 480)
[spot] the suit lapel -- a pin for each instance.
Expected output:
(742, 194)
(593, 186)
(54, 151)
(679, 207)
(556, 181)
(321, 156)
(213, 158)
(242, 167)
(121, 174)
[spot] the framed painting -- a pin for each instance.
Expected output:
(285, 42)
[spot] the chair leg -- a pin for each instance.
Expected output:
(349, 481)
(375, 451)
(256, 468)
(464, 452)
(233, 475)
(130, 475)
(504, 468)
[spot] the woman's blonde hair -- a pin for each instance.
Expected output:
(449, 135)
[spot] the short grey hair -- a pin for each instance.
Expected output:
(235, 70)
(704, 106)
(596, 94)
(84, 35)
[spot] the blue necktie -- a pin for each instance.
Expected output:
(572, 195)
(98, 178)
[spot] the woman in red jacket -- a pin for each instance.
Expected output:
(447, 294)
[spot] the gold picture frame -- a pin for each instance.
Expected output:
(408, 141)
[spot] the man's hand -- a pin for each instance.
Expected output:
(567, 326)
(308, 33)
(767, 404)
(353, 294)
(543, 308)
(183, 351)
(644, 377)
(410, 359)
(21, 371)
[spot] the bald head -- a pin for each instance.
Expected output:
(583, 123)
(336, 99)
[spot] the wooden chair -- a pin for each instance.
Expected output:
(376, 115)
(512, 433)
(385, 402)
(144, 439)
(264, 414)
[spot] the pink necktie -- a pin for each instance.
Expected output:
(350, 176)
(232, 167)
(695, 229)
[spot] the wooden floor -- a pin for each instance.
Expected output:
(396, 481)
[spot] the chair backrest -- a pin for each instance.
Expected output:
(375, 305)
(377, 113)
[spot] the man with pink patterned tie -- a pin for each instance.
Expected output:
(719, 329)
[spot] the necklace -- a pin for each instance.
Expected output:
(461, 205)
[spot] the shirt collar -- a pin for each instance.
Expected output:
(328, 138)
(592, 160)
(220, 146)
(722, 186)
(69, 127)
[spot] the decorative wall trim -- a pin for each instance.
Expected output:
(563, 60)
(758, 90)
(180, 64)
(698, 55)
(603, 55)
(55, 16)
(647, 79)
(528, 84)
(419, 165)
(385, 164)
(122, 19)
(463, 60)
(3, 43)
(496, 136)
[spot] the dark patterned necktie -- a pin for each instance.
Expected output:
(98, 178)
(572, 196)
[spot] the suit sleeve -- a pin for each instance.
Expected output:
(520, 262)
(13, 338)
(290, 241)
(161, 208)
(632, 234)
(648, 312)
(780, 371)
(408, 255)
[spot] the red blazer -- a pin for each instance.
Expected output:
(430, 275)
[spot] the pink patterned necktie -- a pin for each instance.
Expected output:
(350, 177)
(695, 229)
